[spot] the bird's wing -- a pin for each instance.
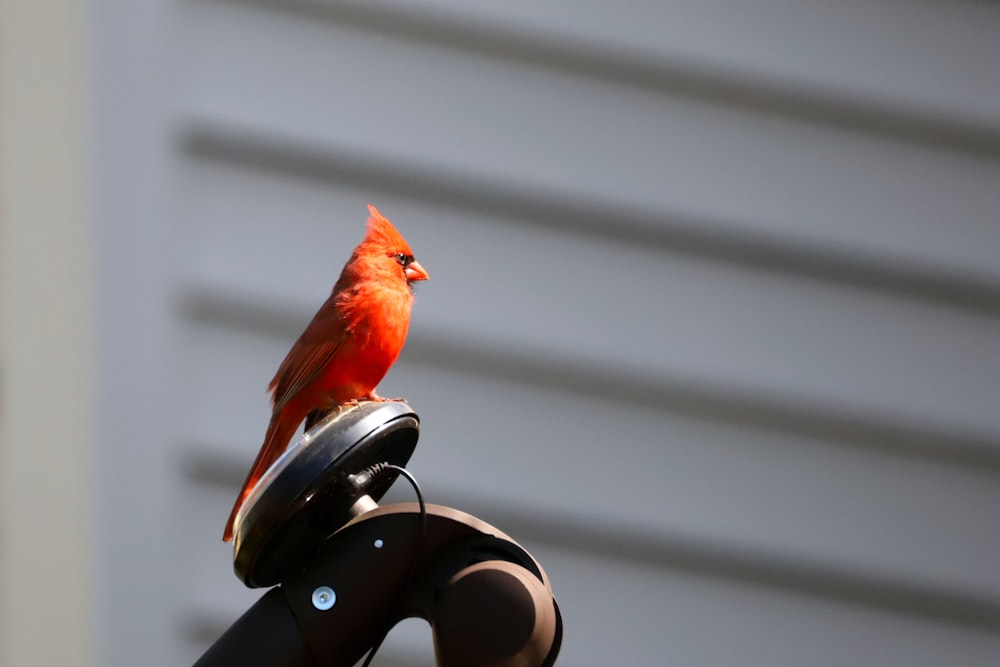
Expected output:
(305, 361)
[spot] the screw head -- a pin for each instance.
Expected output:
(324, 598)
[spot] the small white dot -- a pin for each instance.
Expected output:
(379, 543)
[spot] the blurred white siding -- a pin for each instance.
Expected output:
(47, 368)
(712, 325)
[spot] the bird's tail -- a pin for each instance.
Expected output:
(279, 433)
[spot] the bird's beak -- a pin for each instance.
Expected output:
(415, 272)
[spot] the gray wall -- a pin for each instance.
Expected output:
(712, 325)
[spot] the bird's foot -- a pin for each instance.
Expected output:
(381, 399)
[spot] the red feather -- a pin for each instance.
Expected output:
(349, 345)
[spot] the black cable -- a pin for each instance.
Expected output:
(363, 479)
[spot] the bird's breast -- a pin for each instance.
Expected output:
(378, 320)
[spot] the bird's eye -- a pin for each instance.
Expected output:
(403, 259)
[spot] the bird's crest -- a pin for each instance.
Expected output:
(383, 234)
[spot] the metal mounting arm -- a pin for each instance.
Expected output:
(487, 600)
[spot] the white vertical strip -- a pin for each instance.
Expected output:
(46, 340)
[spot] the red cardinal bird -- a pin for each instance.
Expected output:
(348, 347)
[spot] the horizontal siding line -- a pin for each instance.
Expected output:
(746, 407)
(201, 628)
(579, 213)
(835, 108)
(533, 525)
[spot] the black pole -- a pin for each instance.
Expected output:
(267, 635)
